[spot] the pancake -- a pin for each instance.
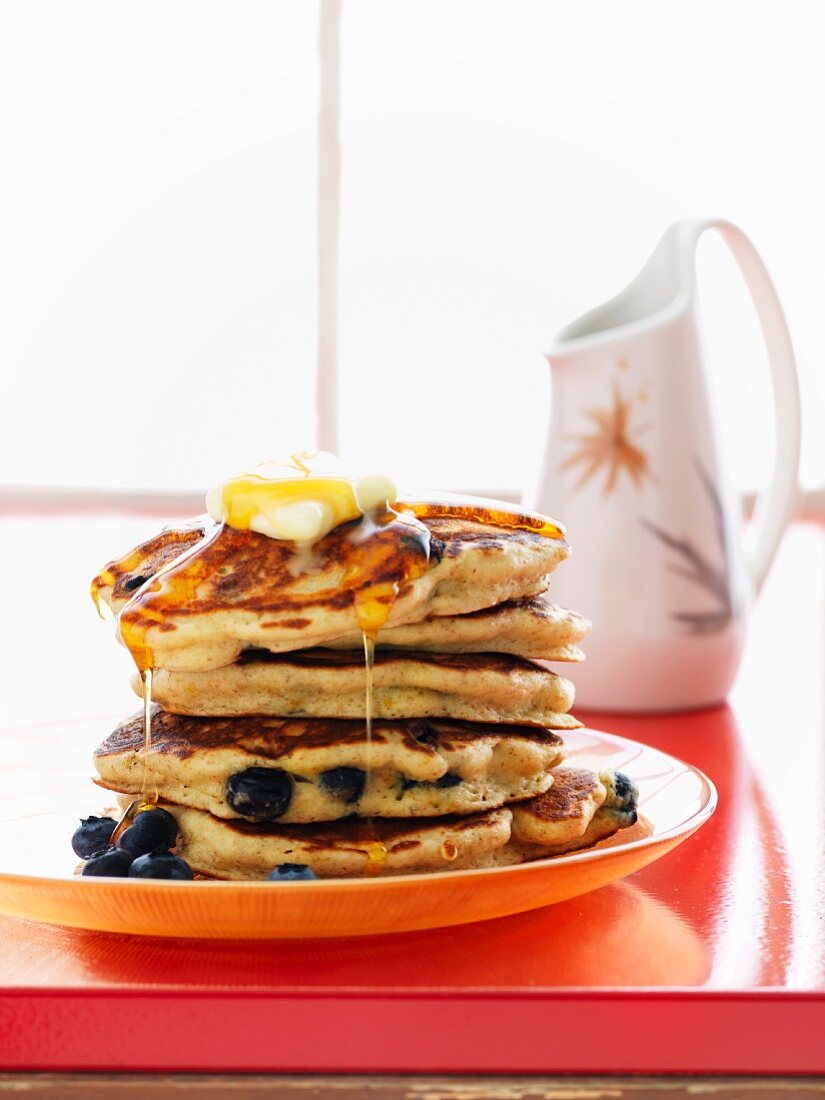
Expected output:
(406, 684)
(345, 849)
(213, 591)
(532, 627)
(579, 809)
(572, 820)
(315, 768)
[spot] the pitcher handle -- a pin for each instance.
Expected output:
(776, 503)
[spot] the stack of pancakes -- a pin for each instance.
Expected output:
(259, 738)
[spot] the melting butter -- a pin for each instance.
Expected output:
(299, 500)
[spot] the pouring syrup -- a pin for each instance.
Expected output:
(133, 624)
(376, 576)
(148, 797)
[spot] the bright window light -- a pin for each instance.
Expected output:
(506, 166)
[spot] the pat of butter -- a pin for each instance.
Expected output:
(300, 500)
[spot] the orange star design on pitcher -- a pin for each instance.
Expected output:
(610, 446)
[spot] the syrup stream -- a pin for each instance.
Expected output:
(375, 592)
(369, 665)
(146, 679)
(376, 851)
(133, 622)
(144, 801)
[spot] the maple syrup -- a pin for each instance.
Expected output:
(107, 578)
(376, 576)
(148, 797)
(133, 623)
(369, 666)
(376, 859)
(173, 586)
(485, 511)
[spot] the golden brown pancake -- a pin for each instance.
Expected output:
(580, 809)
(310, 770)
(344, 849)
(323, 683)
(213, 591)
(532, 627)
(352, 848)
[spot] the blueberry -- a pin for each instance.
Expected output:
(624, 787)
(291, 872)
(137, 581)
(255, 654)
(92, 835)
(423, 731)
(626, 797)
(151, 830)
(345, 783)
(449, 779)
(260, 794)
(437, 548)
(160, 865)
(114, 863)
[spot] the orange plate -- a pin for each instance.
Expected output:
(43, 792)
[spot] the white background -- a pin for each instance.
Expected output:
(507, 165)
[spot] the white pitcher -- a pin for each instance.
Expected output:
(632, 467)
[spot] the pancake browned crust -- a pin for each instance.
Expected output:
(417, 767)
(580, 809)
(533, 627)
(567, 823)
(345, 849)
(571, 821)
(484, 687)
(220, 590)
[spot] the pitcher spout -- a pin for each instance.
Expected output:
(662, 290)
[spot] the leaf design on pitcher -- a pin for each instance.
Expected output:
(695, 567)
(610, 447)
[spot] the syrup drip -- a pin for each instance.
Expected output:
(173, 586)
(133, 622)
(377, 575)
(488, 512)
(376, 859)
(146, 680)
(145, 800)
(369, 665)
(368, 614)
(376, 851)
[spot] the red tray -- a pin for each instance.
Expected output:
(710, 961)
